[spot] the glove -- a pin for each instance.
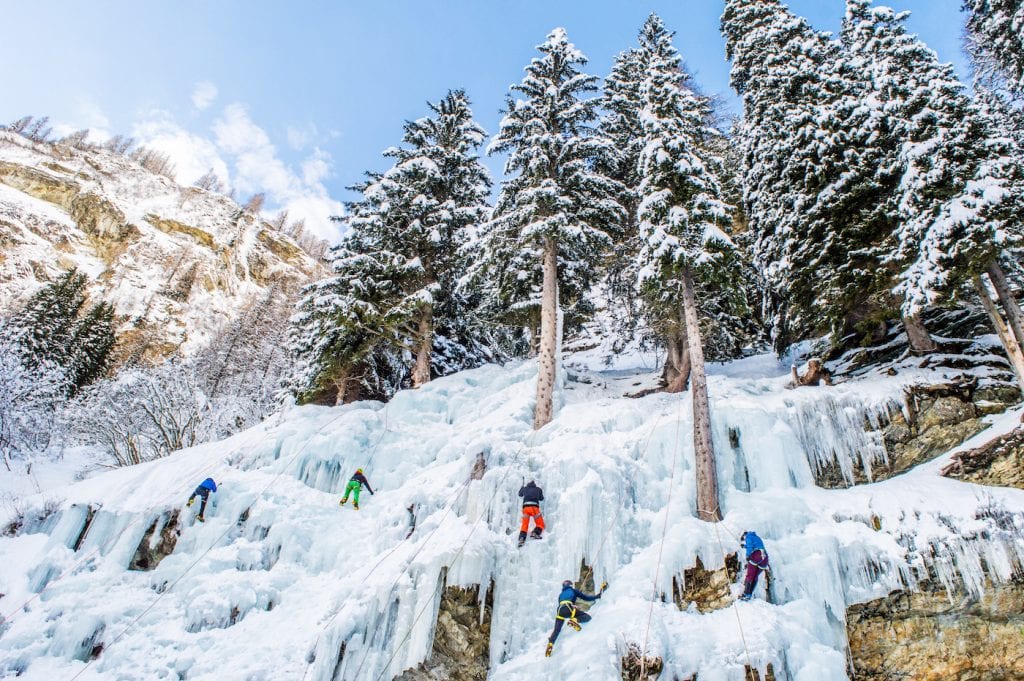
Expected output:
(604, 585)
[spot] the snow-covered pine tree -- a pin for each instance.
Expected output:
(682, 216)
(953, 197)
(395, 291)
(91, 345)
(799, 110)
(996, 32)
(343, 334)
(621, 124)
(553, 215)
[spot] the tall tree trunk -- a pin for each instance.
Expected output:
(1013, 350)
(543, 412)
(704, 453)
(921, 342)
(421, 372)
(342, 386)
(677, 363)
(1010, 304)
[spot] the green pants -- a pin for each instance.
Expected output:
(354, 488)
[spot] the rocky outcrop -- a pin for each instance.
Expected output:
(461, 649)
(176, 263)
(933, 420)
(707, 590)
(927, 636)
(159, 541)
(999, 462)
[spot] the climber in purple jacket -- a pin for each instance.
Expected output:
(757, 562)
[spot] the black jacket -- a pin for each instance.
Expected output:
(531, 494)
(360, 478)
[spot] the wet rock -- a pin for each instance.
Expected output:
(705, 589)
(925, 636)
(998, 462)
(461, 649)
(156, 544)
(934, 419)
(635, 666)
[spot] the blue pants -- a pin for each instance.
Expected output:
(203, 492)
(565, 612)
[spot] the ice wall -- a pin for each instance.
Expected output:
(282, 583)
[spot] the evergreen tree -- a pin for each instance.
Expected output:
(953, 174)
(682, 216)
(800, 164)
(91, 345)
(622, 125)
(45, 325)
(396, 286)
(553, 215)
(49, 330)
(996, 30)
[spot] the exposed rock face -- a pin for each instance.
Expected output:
(158, 542)
(707, 590)
(461, 650)
(636, 666)
(940, 417)
(926, 637)
(177, 263)
(999, 462)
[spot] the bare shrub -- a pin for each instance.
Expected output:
(255, 204)
(210, 182)
(154, 161)
(119, 144)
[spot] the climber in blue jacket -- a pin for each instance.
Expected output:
(757, 562)
(567, 612)
(204, 489)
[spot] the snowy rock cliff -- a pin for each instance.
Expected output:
(282, 583)
(175, 262)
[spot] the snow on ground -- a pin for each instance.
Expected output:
(280, 579)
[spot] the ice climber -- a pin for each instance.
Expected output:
(532, 496)
(567, 611)
(757, 562)
(354, 487)
(204, 489)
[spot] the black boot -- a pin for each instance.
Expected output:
(536, 533)
(522, 538)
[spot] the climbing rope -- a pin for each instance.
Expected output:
(743, 638)
(230, 527)
(661, 545)
(381, 561)
(532, 440)
(101, 549)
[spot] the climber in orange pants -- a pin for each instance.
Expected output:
(532, 496)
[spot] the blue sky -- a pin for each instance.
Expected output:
(299, 98)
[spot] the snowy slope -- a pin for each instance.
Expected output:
(279, 578)
(176, 262)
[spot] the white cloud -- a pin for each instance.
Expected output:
(301, 137)
(193, 155)
(204, 94)
(259, 169)
(87, 115)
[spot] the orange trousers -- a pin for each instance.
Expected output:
(531, 512)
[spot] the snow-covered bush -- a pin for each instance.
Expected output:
(28, 399)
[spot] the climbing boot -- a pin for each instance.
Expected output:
(200, 518)
(536, 533)
(522, 539)
(745, 597)
(574, 624)
(355, 505)
(190, 501)
(547, 651)
(342, 502)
